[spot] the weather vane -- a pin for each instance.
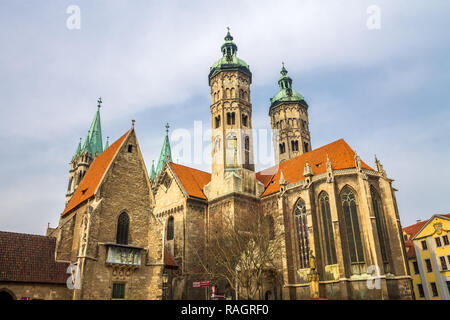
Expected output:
(99, 101)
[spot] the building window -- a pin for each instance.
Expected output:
(170, 228)
(244, 120)
(294, 144)
(448, 259)
(443, 264)
(118, 291)
(247, 150)
(428, 264)
(130, 148)
(420, 290)
(379, 219)
(123, 224)
(434, 289)
(282, 148)
(424, 245)
(302, 233)
(353, 230)
(445, 239)
(217, 122)
(327, 227)
(448, 286)
(438, 242)
(416, 267)
(231, 118)
(306, 146)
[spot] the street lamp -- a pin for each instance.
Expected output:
(165, 279)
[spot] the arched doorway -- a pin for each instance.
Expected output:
(6, 295)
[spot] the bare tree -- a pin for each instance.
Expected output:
(241, 250)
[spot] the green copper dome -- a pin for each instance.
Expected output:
(286, 93)
(229, 60)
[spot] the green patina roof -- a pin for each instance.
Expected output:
(286, 93)
(106, 144)
(165, 152)
(229, 60)
(152, 171)
(78, 150)
(93, 142)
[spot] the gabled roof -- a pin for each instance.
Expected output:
(30, 258)
(339, 153)
(94, 175)
(444, 216)
(193, 180)
(169, 260)
(412, 230)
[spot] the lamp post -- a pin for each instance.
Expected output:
(165, 279)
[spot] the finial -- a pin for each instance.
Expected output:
(307, 171)
(283, 70)
(228, 37)
(167, 128)
(99, 101)
(132, 123)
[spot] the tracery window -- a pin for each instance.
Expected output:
(123, 225)
(302, 233)
(170, 228)
(327, 228)
(353, 230)
(379, 219)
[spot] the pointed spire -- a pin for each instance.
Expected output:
(106, 144)
(93, 143)
(307, 171)
(282, 179)
(78, 149)
(329, 166)
(357, 161)
(165, 152)
(152, 171)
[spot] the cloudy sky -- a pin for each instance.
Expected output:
(385, 91)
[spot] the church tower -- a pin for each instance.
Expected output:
(85, 154)
(289, 121)
(233, 168)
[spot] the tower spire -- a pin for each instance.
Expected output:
(93, 143)
(165, 152)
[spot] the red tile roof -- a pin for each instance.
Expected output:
(94, 175)
(411, 231)
(339, 153)
(169, 260)
(410, 250)
(30, 258)
(193, 180)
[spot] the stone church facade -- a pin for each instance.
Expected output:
(124, 227)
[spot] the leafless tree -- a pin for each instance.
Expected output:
(241, 250)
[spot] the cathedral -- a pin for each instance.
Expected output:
(127, 232)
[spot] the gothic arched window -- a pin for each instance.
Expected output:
(170, 228)
(379, 219)
(247, 150)
(302, 233)
(123, 225)
(353, 230)
(327, 227)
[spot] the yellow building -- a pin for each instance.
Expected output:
(428, 252)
